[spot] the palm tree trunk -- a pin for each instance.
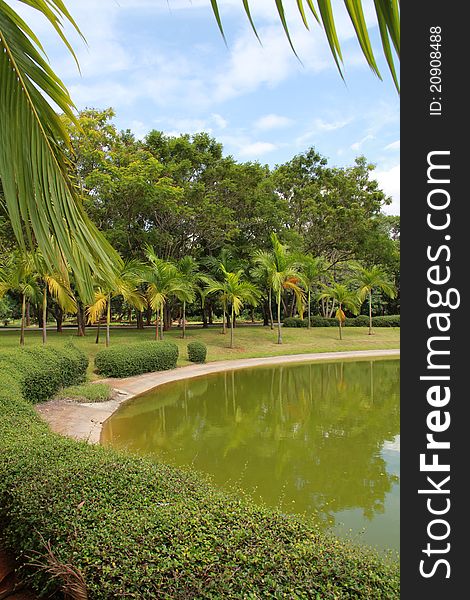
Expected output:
(28, 314)
(108, 319)
(44, 315)
(156, 324)
(231, 328)
(308, 308)
(279, 335)
(224, 322)
(161, 321)
(340, 323)
(271, 320)
(97, 340)
(23, 317)
(370, 312)
(184, 319)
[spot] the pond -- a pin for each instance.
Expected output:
(320, 439)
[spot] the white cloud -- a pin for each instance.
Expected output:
(272, 121)
(256, 149)
(393, 146)
(389, 181)
(321, 126)
(219, 121)
(358, 145)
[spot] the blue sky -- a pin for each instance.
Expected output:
(163, 65)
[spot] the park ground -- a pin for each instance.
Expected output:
(251, 341)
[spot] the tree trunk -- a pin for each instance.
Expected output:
(23, 318)
(279, 335)
(340, 323)
(211, 314)
(44, 316)
(265, 314)
(204, 316)
(162, 316)
(59, 316)
(231, 328)
(370, 312)
(80, 320)
(252, 315)
(97, 339)
(140, 319)
(167, 320)
(308, 308)
(149, 315)
(184, 319)
(224, 326)
(28, 314)
(108, 319)
(270, 305)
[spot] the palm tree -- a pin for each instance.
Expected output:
(388, 19)
(236, 291)
(125, 285)
(311, 269)
(189, 272)
(40, 197)
(19, 275)
(57, 284)
(370, 279)
(345, 298)
(283, 269)
(262, 274)
(163, 281)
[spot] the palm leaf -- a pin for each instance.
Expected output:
(39, 197)
(388, 19)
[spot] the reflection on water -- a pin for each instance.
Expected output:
(315, 438)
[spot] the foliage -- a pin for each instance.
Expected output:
(40, 372)
(388, 19)
(40, 200)
(129, 527)
(133, 359)
(197, 352)
(87, 392)
(359, 321)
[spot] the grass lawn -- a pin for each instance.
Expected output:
(250, 341)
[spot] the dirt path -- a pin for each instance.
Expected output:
(85, 421)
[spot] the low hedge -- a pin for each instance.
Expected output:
(133, 359)
(42, 371)
(359, 321)
(123, 526)
(197, 352)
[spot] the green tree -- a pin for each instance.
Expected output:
(189, 273)
(345, 298)
(282, 270)
(126, 285)
(370, 279)
(310, 270)
(236, 292)
(164, 280)
(19, 275)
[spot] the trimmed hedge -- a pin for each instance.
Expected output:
(136, 529)
(42, 371)
(359, 321)
(197, 352)
(133, 359)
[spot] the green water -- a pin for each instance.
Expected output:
(321, 439)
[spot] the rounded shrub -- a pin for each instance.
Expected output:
(294, 322)
(126, 360)
(197, 352)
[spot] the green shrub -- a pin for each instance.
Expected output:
(386, 321)
(197, 352)
(42, 371)
(294, 322)
(137, 529)
(133, 359)
(359, 321)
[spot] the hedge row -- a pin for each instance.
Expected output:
(360, 321)
(130, 528)
(133, 359)
(42, 371)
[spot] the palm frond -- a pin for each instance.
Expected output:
(39, 196)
